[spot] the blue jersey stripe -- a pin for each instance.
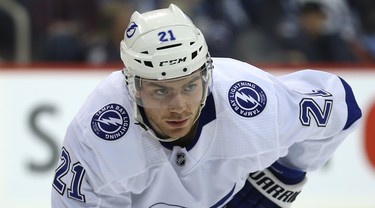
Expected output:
(354, 112)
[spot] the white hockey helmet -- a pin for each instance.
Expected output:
(161, 45)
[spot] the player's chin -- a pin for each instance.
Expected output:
(178, 132)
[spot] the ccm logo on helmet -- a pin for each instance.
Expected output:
(173, 61)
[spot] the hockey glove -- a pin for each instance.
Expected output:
(274, 187)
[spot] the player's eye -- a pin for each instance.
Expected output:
(161, 91)
(190, 87)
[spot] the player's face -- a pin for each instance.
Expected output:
(172, 106)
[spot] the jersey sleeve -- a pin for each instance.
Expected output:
(76, 178)
(317, 110)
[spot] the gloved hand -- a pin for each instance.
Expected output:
(276, 186)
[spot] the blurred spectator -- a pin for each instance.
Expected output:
(146, 5)
(104, 43)
(221, 22)
(268, 21)
(313, 42)
(225, 21)
(261, 31)
(365, 12)
(59, 28)
(342, 19)
(62, 43)
(7, 35)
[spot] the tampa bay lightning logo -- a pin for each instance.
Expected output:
(131, 29)
(247, 99)
(110, 122)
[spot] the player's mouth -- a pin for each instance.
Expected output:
(178, 123)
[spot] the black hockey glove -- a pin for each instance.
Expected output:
(277, 186)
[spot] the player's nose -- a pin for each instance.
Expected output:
(177, 104)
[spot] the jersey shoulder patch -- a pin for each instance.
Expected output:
(247, 99)
(110, 122)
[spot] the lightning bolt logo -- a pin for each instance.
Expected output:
(247, 98)
(109, 121)
(131, 30)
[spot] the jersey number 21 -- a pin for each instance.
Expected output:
(74, 191)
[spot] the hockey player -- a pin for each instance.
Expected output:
(177, 128)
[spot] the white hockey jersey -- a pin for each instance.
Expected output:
(251, 119)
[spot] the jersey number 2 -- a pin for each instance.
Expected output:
(78, 171)
(308, 108)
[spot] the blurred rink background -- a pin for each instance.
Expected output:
(53, 53)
